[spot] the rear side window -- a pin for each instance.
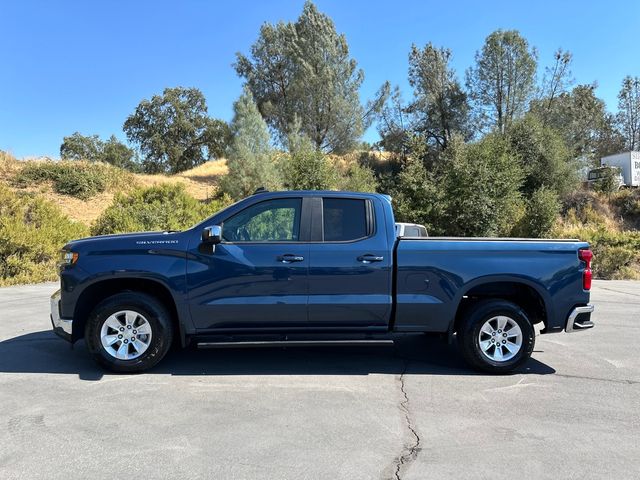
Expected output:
(344, 219)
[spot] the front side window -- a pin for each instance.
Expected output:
(269, 221)
(344, 219)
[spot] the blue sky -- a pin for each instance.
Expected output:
(84, 66)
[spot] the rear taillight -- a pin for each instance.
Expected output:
(586, 256)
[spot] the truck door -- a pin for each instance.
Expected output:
(350, 264)
(257, 276)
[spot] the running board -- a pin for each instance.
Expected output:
(294, 343)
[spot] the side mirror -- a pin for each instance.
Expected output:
(212, 235)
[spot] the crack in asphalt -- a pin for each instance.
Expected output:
(620, 291)
(409, 452)
(623, 381)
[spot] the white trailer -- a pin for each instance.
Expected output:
(629, 165)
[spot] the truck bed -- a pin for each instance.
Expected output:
(434, 274)
(494, 239)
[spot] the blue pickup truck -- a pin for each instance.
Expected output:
(313, 267)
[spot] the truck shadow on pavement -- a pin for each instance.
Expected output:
(43, 352)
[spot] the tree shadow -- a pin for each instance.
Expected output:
(44, 352)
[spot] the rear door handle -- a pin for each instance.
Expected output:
(289, 258)
(370, 258)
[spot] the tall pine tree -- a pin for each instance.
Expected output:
(250, 157)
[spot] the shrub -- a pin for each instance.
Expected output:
(589, 208)
(614, 263)
(616, 254)
(157, 208)
(628, 201)
(358, 178)
(541, 212)
(608, 182)
(75, 178)
(32, 232)
(579, 201)
(306, 168)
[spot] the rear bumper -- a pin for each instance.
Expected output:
(579, 319)
(61, 326)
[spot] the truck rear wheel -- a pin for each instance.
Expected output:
(496, 336)
(129, 332)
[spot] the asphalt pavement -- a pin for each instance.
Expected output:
(413, 411)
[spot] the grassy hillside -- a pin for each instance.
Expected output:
(610, 223)
(199, 182)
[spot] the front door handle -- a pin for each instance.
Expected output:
(370, 258)
(289, 258)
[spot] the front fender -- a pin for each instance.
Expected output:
(99, 276)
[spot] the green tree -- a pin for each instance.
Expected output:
(217, 138)
(545, 159)
(174, 132)
(92, 148)
(303, 72)
(440, 106)
(582, 120)
(629, 111)
(118, 154)
(481, 184)
(393, 121)
(557, 79)
(81, 147)
(250, 158)
(503, 79)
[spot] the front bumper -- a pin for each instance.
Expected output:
(579, 319)
(61, 326)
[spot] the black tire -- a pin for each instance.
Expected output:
(152, 310)
(469, 331)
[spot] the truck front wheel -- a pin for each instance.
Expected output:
(129, 332)
(495, 336)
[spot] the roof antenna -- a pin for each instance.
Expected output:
(260, 190)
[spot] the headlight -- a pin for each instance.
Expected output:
(67, 258)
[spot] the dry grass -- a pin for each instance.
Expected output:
(84, 211)
(9, 166)
(208, 171)
(200, 182)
